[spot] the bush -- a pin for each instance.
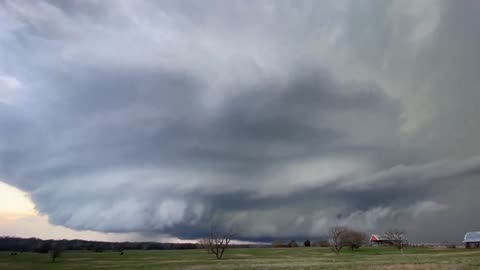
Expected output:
(307, 243)
(292, 244)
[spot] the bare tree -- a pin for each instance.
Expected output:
(354, 239)
(218, 240)
(396, 238)
(56, 251)
(206, 243)
(336, 238)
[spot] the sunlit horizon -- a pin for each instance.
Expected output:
(18, 203)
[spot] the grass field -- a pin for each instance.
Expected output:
(254, 258)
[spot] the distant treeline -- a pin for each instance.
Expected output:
(43, 246)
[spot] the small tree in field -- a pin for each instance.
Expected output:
(336, 238)
(307, 243)
(56, 252)
(206, 243)
(396, 238)
(354, 239)
(218, 241)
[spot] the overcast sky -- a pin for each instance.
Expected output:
(280, 118)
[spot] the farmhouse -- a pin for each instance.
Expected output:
(472, 240)
(378, 239)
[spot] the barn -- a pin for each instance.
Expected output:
(472, 240)
(378, 239)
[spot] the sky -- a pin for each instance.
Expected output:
(156, 119)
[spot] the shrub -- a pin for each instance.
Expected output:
(292, 244)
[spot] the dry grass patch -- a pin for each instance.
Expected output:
(417, 267)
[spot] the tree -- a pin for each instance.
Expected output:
(354, 239)
(307, 243)
(206, 243)
(218, 241)
(292, 244)
(396, 238)
(336, 238)
(56, 251)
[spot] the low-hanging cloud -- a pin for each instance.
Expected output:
(280, 119)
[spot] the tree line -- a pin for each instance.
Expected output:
(44, 246)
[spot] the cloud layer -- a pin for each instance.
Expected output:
(278, 118)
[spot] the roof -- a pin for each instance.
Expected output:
(376, 237)
(472, 237)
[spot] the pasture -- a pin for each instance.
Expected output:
(250, 259)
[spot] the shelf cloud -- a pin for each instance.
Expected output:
(280, 118)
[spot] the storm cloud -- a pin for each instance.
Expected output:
(280, 118)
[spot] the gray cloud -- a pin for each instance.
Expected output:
(281, 118)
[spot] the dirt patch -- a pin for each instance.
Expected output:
(415, 267)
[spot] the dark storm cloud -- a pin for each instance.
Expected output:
(278, 118)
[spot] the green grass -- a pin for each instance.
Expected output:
(254, 258)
